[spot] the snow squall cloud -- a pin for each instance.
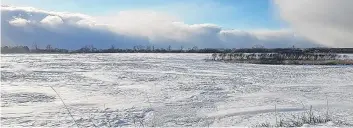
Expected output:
(328, 22)
(24, 26)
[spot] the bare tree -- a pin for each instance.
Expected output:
(195, 48)
(214, 56)
(48, 48)
(35, 46)
(169, 48)
(148, 48)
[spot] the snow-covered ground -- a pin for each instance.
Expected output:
(164, 90)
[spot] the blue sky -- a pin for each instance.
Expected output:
(230, 14)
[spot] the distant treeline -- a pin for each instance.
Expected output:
(151, 49)
(289, 50)
(284, 58)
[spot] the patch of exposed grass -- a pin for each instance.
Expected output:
(308, 117)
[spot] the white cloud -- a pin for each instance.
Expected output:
(128, 28)
(19, 22)
(163, 29)
(328, 22)
(52, 20)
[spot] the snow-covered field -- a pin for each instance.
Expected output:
(164, 90)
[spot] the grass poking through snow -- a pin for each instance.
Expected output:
(308, 117)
